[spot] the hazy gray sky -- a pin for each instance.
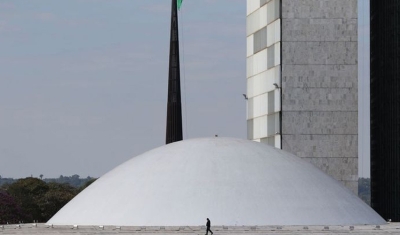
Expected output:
(83, 83)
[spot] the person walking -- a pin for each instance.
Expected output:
(208, 224)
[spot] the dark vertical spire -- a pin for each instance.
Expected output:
(174, 107)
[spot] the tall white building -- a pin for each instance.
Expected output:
(264, 71)
(302, 81)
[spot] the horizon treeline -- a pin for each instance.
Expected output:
(74, 180)
(35, 200)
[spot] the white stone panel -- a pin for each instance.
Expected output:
(252, 5)
(263, 16)
(253, 22)
(257, 63)
(249, 65)
(260, 127)
(263, 82)
(273, 33)
(257, 20)
(271, 125)
(260, 105)
(250, 45)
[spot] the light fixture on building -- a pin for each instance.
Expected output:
(276, 86)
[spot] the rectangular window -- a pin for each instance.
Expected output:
(250, 126)
(260, 40)
(271, 102)
(263, 2)
(273, 10)
(271, 125)
(271, 56)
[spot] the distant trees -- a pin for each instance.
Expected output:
(28, 192)
(6, 181)
(35, 199)
(74, 180)
(54, 199)
(86, 184)
(10, 211)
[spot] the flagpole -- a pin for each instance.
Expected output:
(174, 106)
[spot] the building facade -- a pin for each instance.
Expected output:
(385, 108)
(302, 81)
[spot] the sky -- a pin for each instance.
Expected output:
(83, 83)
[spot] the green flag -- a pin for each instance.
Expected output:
(179, 4)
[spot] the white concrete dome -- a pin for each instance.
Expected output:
(231, 181)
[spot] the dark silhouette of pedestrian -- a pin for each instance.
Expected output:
(208, 224)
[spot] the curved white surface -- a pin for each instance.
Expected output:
(231, 181)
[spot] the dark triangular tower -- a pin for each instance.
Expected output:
(174, 106)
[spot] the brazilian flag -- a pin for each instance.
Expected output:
(179, 4)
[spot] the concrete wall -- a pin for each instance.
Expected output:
(319, 85)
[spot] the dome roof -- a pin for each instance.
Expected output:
(231, 181)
